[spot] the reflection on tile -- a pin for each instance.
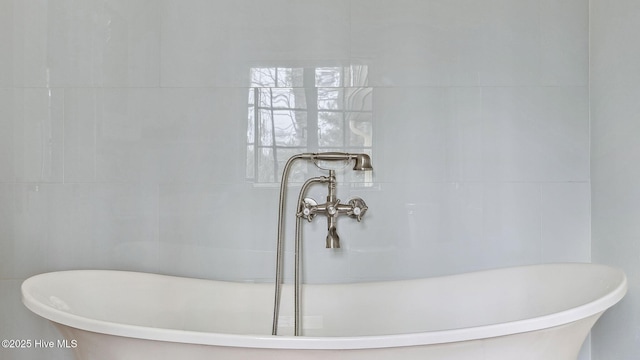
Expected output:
(282, 121)
(38, 135)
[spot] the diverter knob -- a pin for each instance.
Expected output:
(357, 208)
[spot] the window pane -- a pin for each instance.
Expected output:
(263, 77)
(279, 119)
(329, 77)
(330, 129)
(289, 127)
(330, 99)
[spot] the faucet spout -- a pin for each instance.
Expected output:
(333, 240)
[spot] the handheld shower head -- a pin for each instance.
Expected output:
(363, 161)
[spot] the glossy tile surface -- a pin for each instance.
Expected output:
(615, 171)
(137, 134)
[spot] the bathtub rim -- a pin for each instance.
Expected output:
(587, 310)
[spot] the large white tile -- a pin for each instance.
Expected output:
(89, 222)
(6, 43)
(213, 215)
(410, 127)
(535, 134)
(418, 43)
(8, 113)
(216, 44)
(132, 48)
(80, 114)
(564, 34)
(30, 44)
(190, 215)
(162, 135)
(280, 30)
(615, 149)
(428, 134)
(197, 42)
(210, 262)
(565, 222)
(464, 135)
(470, 43)
(38, 134)
(58, 227)
(613, 51)
(511, 43)
(7, 237)
(613, 124)
(512, 224)
(428, 228)
(137, 255)
(113, 44)
(30, 229)
(119, 124)
(72, 217)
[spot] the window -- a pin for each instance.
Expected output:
(295, 110)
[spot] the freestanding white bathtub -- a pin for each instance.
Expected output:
(534, 312)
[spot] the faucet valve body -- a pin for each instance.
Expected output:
(332, 208)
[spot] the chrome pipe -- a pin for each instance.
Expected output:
(297, 275)
(280, 240)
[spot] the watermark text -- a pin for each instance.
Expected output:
(39, 344)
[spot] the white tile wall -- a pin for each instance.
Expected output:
(564, 56)
(123, 137)
(38, 135)
(7, 105)
(565, 211)
(80, 115)
(615, 171)
(6, 43)
(537, 134)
